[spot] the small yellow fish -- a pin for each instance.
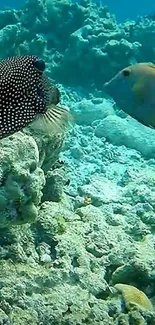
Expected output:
(133, 90)
(87, 200)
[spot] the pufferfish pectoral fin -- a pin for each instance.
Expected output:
(139, 91)
(55, 120)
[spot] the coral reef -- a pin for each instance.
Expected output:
(21, 180)
(77, 211)
(84, 39)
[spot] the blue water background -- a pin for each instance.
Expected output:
(123, 9)
(12, 4)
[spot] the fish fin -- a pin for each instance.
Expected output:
(55, 120)
(139, 92)
(51, 91)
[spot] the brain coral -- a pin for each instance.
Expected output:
(133, 296)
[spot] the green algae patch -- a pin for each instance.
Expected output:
(62, 225)
(23, 317)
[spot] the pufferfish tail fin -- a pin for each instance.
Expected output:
(55, 120)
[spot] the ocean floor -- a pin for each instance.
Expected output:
(63, 252)
(77, 213)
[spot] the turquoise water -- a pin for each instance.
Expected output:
(130, 9)
(77, 163)
(12, 4)
(121, 8)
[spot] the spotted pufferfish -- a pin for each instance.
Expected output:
(27, 94)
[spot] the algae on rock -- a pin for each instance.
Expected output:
(21, 180)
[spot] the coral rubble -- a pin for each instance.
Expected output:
(77, 213)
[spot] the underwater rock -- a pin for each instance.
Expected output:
(129, 133)
(4, 318)
(138, 31)
(21, 180)
(101, 190)
(139, 269)
(53, 189)
(49, 147)
(95, 38)
(86, 111)
(52, 221)
(77, 251)
(136, 317)
(17, 245)
(74, 15)
(8, 37)
(22, 316)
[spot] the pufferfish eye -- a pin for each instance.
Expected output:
(39, 65)
(126, 72)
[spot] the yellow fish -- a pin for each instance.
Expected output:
(133, 90)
